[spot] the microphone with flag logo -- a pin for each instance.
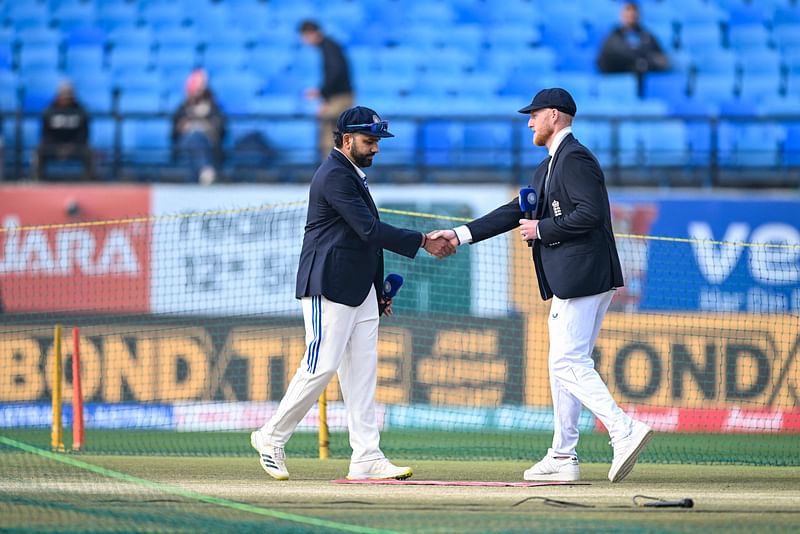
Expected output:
(392, 285)
(527, 204)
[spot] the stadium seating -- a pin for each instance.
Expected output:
(415, 57)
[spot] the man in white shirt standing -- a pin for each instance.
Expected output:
(577, 265)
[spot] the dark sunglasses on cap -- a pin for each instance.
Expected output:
(374, 127)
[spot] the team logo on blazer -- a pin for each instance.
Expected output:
(556, 208)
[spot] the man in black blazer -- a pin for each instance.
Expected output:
(577, 265)
(340, 285)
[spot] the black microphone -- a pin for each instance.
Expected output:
(656, 502)
(680, 503)
(527, 204)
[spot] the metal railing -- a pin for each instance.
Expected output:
(688, 150)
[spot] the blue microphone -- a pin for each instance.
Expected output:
(527, 204)
(392, 285)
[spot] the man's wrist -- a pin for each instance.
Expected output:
(424, 240)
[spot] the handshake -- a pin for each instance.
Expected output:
(441, 243)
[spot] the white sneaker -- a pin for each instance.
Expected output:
(556, 469)
(627, 450)
(272, 457)
(381, 469)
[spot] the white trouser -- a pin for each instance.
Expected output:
(573, 327)
(343, 338)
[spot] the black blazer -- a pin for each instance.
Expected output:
(342, 252)
(577, 255)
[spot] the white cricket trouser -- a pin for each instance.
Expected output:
(343, 338)
(573, 327)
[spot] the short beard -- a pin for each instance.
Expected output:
(362, 160)
(541, 135)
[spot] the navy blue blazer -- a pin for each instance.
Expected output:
(577, 255)
(342, 254)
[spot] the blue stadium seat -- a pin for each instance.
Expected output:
(512, 11)
(275, 104)
(566, 34)
(757, 87)
(79, 58)
(36, 58)
(786, 13)
(73, 15)
(387, 85)
(294, 140)
(594, 134)
(576, 59)
(130, 37)
(467, 37)
(487, 143)
(513, 36)
(402, 60)
(658, 144)
(112, 16)
(207, 18)
(659, 13)
(249, 17)
(140, 100)
(178, 58)
(85, 36)
(665, 35)
(750, 144)
(133, 78)
(698, 11)
(437, 13)
(216, 59)
(670, 86)
(713, 87)
(423, 37)
(786, 36)
(716, 62)
(129, 58)
(793, 84)
(449, 62)
(162, 15)
(39, 37)
(704, 36)
(442, 140)
(791, 146)
(761, 62)
(622, 87)
(789, 105)
(286, 83)
(27, 15)
(749, 37)
(741, 14)
(268, 61)
(8, 98)
(478, 84)
(401, 149)
(101, 134)
(146, 141)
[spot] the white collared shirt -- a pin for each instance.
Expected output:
(463, 233)
(361, 174)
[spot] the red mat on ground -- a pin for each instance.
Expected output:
(460, 483)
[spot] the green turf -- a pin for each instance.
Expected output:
(40, 494)
(755, 449)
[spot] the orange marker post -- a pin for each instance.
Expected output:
(77, 396)
(57, 434)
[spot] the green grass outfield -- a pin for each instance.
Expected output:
(216, 485)
(749, 449)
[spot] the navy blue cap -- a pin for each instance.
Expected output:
(555, 98)
(362, 120)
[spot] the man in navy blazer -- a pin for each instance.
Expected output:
(577, 265)
(340, 285)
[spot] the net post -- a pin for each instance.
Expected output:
(323, 426)
(57, 434)
(77, 396)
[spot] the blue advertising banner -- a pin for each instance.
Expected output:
(739, 254)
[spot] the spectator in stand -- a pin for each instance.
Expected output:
(336, 90)
(198, 128)
(631, 48)
(65, 133)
